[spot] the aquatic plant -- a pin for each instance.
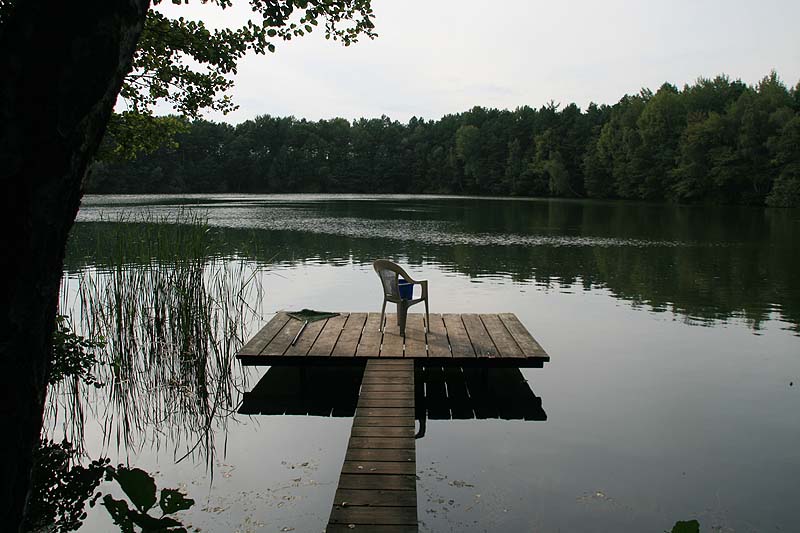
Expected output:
(62, 488)
(172, 315)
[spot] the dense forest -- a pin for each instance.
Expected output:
(716, 141)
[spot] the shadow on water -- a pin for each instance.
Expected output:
(451, 393)
(61, 490)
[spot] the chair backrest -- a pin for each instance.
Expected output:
(389, 273)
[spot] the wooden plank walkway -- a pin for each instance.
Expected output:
(378, 485)
(453, 340)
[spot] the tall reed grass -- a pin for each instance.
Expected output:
(172, 314)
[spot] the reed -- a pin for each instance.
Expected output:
(172, 314)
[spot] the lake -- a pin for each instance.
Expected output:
(673, 390)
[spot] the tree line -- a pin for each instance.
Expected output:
(715, 141)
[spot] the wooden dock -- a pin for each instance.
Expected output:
(452, 361)
(378, 485)
(452, 340)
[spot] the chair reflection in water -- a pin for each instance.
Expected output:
(398, 288)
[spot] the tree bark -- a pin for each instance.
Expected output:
(62, 66)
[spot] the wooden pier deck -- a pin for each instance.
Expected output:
(453, 340)
(378, 485)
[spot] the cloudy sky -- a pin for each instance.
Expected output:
(436, 57)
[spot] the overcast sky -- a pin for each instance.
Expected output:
(436, 57)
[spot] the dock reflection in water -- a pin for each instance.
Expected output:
(441, 393)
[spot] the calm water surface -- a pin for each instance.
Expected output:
(673, 390)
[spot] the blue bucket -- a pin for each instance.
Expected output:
(406, 289)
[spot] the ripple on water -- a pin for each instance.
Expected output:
(438, 232)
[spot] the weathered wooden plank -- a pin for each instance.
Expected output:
(529, 346)
(382, 431)
(392, 340)
(389, 376)
(371, 528)
(399, 443)
(481, 341)
(503, 340)
(387, 387)
(385, 402)
(460, 344)
(392, 364)
(256, 345)
(387, 498)
(383, 421)
(306, 338)
(371, 515)
(396, 395)
(438, 344)
(378, 481)
(384, 411)
(327, 338)
(379, 467)
(377, 379)
(370, 343)
(415, 342)
(283, 339)
(351, 333)
(384, 454)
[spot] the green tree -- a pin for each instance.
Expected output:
(786, 156)
(468, 150)
(660, 125)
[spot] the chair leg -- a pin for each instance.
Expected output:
(402, 312)
(383, 313)
(427, 318)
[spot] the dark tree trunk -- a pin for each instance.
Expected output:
(62, 64)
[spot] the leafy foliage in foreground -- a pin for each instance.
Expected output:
(73, 354)
(62, 489)
(188, 66)
(716, 141)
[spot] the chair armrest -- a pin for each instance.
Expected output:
(424, 283)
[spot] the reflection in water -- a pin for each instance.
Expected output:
(707, 264)
(61, 490)
(441, 393)
(664, 445)
(171, 315)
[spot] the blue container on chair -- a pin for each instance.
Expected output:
(406, 289)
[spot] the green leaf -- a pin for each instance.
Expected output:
(139, 486)
(689, 526)
(172, 501)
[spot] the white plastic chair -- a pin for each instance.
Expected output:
(390, 274)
